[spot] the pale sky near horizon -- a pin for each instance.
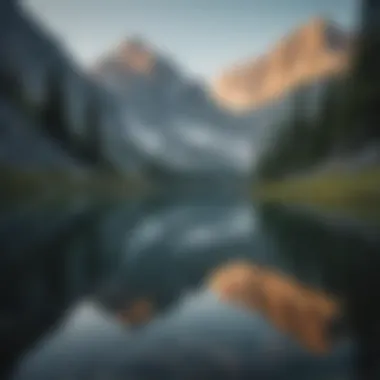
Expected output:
(203, 36)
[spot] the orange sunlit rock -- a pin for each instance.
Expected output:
(291, 307)
(238, 282)
(314, 51)
(139, 312)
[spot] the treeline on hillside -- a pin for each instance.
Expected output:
(304, 139)
(52, 115)
(347, 119)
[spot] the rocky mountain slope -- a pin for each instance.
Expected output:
(172, 118)
(315, 51)
(136, 112)
(45, 100)
(22, 141)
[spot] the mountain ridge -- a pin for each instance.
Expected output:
(316, 49)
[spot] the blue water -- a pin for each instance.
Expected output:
(167, 247)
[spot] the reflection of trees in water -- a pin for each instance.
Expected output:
(44, 276)
(347, 265)
(317, 253)
(35, 291)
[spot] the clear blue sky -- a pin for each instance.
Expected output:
(203, 36)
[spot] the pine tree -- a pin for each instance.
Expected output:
(297, 147)
(53, 116)
(363, 87)
(93, 133)
(325, 134)
(11, 86)
(270, 163)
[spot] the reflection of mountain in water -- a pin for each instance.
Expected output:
(171, 244)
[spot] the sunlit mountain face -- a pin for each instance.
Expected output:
(311, 53)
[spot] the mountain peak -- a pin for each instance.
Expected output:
(134, 53)
(134, 44)
(314, 50)
(320, 22)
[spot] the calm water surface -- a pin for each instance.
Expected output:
(56, 256)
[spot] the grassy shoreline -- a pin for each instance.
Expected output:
(353, 193)
(17, 185)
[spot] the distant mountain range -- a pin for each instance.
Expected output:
(315, 51)
(136, 110)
